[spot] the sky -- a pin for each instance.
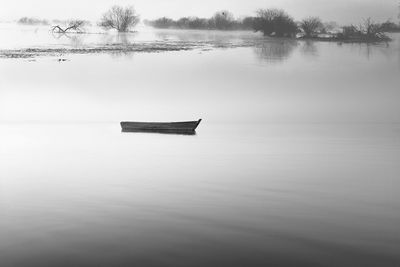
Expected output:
(342, 11)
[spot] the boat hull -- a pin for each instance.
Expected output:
(186, 127)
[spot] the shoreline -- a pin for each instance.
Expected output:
(166, 46)
(347, 40)
(151, 47)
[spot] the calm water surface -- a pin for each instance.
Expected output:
(295, 164)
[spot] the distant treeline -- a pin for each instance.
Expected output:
(276, 22)
(222, 20)
(271, 22)
(36, 21)
(390, 26)
(33, 21)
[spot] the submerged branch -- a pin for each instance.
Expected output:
(74, 25)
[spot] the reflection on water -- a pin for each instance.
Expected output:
(296, 164)
(276, 50)
(119, 38)
(233, 195)
(270, 50)
(160, 132)
(309, 48)
(208, 36)
(75, 40)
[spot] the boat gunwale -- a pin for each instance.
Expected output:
(183, 126)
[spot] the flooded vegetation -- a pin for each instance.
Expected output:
(222, 20)
(45, 42)
(278, 23)
(80, 37)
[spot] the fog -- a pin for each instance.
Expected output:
(343, 11)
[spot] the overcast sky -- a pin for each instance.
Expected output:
(342, 11)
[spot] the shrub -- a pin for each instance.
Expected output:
(198, 23)
(368, 31)
(390, 26)
(275, 22)
(183, 23)
(247, 23)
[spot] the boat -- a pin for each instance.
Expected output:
(184, 127)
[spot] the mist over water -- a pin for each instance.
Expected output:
(294, 164)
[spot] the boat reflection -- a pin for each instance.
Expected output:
(191, 133)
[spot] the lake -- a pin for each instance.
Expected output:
(296, 162)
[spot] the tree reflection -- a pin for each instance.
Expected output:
(123, 38)
(369, 51)
(77, 40)
(275, 50)
(216, 37)
(309, 48)
(74, 39)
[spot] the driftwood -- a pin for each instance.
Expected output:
(75, 25)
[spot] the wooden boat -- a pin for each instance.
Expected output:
(185, 127)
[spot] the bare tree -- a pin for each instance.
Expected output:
(73, 25)
(311, 26)
(367, 31)
(120, 18)
(330, 26)
(371, 29)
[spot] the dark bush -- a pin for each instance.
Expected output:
(222, 20)
(198, 23)
(390, 26)
(275, 22)
(248, 23)
(183, 23)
